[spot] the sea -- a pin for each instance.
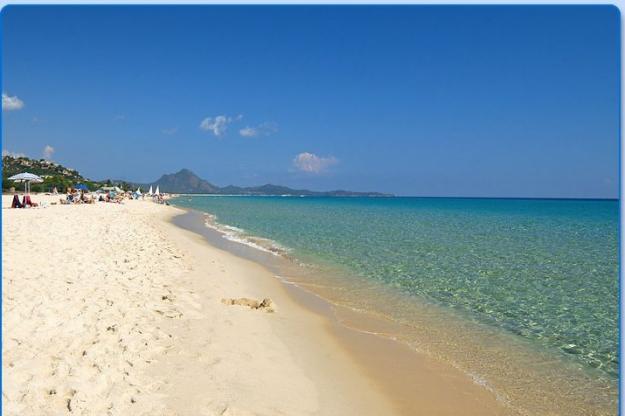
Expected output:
(520, 294)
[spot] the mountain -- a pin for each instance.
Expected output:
(182, 182)
(187, 182)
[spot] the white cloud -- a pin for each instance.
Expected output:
(218, 125)
(264, 129)
(12, 154)
(248, 132)
(11, 103)
(311, 163)
(48, 151)
(170, 132)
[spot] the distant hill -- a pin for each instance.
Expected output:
(182, 182)
(187, 182)
(14, 165)
(53, 174)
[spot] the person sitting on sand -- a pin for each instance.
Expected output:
(86, 199)
(27, 202)
(16, 202)
(75, 197)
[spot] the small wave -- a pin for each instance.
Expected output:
(233, 228)
(238, 235)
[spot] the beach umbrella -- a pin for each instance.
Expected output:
(157, 191)
(81, 187)
(150, 191)
(138, 191)
(27, 178)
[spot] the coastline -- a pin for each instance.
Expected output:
(120, 311)
(412, 381)
(172, 344)
(109, 308)
(546, 384)
(291, 337)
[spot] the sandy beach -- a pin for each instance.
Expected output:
(278, 209)
(111, 309)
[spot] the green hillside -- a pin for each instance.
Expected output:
(53, 174)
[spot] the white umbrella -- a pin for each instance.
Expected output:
(157, 191)
(150, 191)
(138, 191)
(27, 178)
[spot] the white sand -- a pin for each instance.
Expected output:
(110, 309)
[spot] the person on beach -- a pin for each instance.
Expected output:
(16, 202)
(28, 203)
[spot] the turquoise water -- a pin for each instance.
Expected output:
(543, 270)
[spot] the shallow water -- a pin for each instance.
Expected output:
(537, 279)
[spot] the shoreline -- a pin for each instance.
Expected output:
(336, 383)
(120, 311)
(413, 381)
(189, 352)
(453, 341)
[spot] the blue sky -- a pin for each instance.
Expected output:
(414, 100)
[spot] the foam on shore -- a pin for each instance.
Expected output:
(238, 235)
